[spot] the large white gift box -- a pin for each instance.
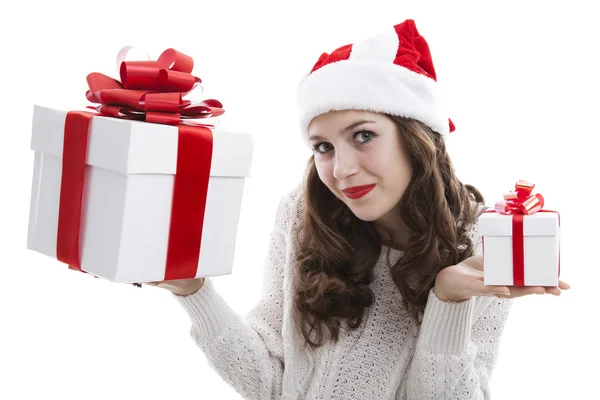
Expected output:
(540, 243)
(127, 197)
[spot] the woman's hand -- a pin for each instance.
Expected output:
(462, 281)
(182, 287)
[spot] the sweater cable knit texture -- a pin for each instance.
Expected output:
(262, 354)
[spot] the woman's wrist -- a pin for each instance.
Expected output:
(190, 289)
(442, 297)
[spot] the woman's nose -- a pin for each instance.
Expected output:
(345, 165)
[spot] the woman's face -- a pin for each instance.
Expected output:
(361, 149)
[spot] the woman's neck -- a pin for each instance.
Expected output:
(397, 229)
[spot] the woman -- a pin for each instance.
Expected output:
(373, 287)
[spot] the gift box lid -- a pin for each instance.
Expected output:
(538, 224)
(135, 147)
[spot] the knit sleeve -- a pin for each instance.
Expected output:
(247, 352)
(457, 345)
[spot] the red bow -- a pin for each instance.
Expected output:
(151, 91)
(521, 201)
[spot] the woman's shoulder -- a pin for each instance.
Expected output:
(290, 210)
(478, 207)
(474, 234)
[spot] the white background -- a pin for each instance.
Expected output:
(521, 80)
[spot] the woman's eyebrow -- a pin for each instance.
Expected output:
(346, 129)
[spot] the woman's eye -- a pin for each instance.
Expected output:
(364, 136)
(319, 148)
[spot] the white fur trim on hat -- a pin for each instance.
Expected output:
(371, 86)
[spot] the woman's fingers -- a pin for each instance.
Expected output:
(556, 290)
(553, 290)
(520, 291)
(563, 285)
(489, 290)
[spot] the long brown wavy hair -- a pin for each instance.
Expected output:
(338, 251)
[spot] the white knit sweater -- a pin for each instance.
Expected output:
(450, 356)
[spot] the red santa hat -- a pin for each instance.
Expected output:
(390, 73)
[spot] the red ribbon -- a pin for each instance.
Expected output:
(519, 203)
(151, 91)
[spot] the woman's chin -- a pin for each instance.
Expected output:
(365, 214)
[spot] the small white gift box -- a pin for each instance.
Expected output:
(538, 264)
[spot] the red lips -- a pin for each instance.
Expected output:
(357, 192)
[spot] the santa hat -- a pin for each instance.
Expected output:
(390, 73)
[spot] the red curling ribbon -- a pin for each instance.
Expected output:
(520, 203)
(150, 91)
